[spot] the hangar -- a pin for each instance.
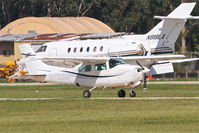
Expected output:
(43, 25)
(39, 30)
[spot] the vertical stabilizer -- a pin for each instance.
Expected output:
(165, 34)
(26, 50)
(32, 64)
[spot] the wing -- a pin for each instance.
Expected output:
(89, 60)
(155, 57)
(103, 59)
(179, 60)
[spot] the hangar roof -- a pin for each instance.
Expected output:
(58, 36)
(44, 25)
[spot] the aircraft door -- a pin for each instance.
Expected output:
(53, 52)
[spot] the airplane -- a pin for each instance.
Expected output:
(90, 72)
(76, 62)
(95, 72)
(158, 41)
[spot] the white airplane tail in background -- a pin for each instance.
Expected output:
(165, 34)
(26, 50)
(33, 65)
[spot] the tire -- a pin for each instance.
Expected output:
(86, 94)
(132, 94)
(121, 93)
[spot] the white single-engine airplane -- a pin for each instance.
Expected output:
(102, 63)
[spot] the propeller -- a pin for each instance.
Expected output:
(144, 76)
(140, 65)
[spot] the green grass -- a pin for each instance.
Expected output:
(99, 116)
(4, 80)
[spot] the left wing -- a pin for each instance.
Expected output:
(179, 60)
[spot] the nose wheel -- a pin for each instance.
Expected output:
(132, 94)
(86, 94)
(121, 93)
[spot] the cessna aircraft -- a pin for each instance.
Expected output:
(109, 62)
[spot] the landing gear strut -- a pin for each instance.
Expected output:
(121, 93)
(145, 81)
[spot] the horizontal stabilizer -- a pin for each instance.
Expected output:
(182, 12)
(176, 17)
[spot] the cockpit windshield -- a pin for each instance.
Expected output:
(41, 49)
(115, 62)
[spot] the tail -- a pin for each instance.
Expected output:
(165, 34)
(26, 50)
(32, 64)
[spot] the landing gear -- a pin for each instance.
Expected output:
(86, 94)
(132, 94)
(121, 93)
(145, 81)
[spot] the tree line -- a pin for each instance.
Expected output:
(121, 15)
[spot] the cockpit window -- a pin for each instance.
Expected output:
(99, 67)
(115, 62)
(41, 49)
(85, 68)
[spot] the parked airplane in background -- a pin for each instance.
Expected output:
(100, 63)
(159, 41)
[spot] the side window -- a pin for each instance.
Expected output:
(115, 62)
(95, 49)
(75, 50)
(41, 49)
(99, 67)
(69, 49)
(81, 49)
(85, 68)
(101, 48)
(87, 49)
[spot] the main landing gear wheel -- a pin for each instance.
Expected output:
(121, 93)
(86, 94)
(132, 94)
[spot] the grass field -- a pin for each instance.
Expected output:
(74, 114)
